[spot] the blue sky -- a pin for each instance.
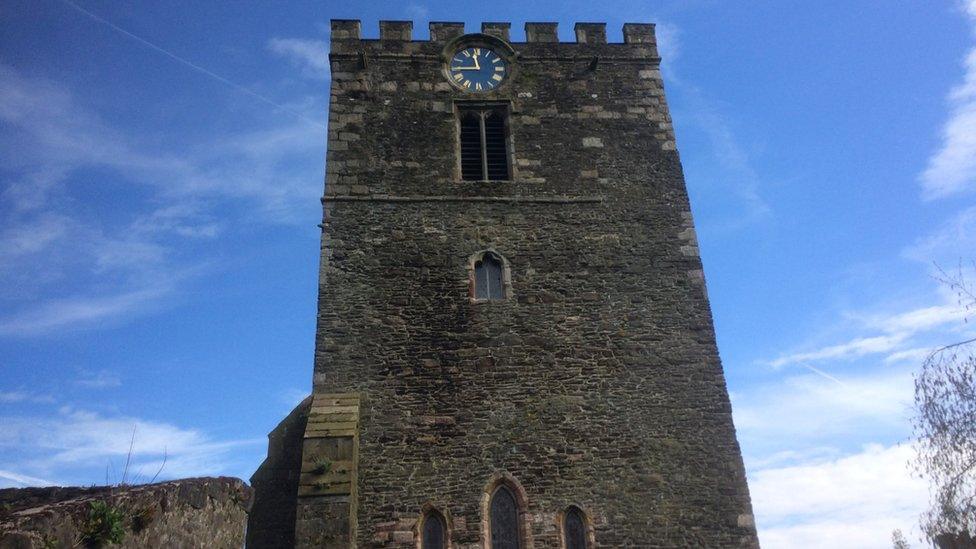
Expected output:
(160, 168)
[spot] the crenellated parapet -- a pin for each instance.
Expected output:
(639, 38)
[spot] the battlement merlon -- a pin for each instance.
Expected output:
(396, 37)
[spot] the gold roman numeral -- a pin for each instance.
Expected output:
(467, 83)
(466, 53)
(496, 78)
(458, 76)
(499, 69)
(477, 52)
(477, 86)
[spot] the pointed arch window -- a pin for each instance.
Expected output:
(504, 519)
(575, 531)
(489, 278)
(433, 531)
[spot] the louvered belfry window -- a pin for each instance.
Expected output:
(484, 143)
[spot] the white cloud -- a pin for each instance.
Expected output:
(58, 446)
(803, 410)
(668, 44)
(854, 348)
(418, 13)
(898, 331)
(10, 479)
(852, 501)
(954, 241)
(101, 379)
(33, 236)
(952, 168)
(740, 180)
(311, 56)
(913, 356)
(59, 313)
(917, 320)
(13, 397)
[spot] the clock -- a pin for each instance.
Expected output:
(477, 69)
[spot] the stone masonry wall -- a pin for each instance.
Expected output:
(271, 522)
(199, 512)
(598, 382)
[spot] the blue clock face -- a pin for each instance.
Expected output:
(477, 69)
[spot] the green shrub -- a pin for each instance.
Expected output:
(104, 525)
(322, 466)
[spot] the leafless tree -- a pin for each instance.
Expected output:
(945, 429)
(898, 540)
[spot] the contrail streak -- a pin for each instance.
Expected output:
(190, 64)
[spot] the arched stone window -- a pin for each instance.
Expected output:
(490, 276)
(576, 529)
(433, 530)
(504, 519)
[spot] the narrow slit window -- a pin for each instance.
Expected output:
(484, 144)
(488, 278)
(434, 534)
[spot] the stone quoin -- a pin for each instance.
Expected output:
(514, 345)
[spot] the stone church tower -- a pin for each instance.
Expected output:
(514, 344)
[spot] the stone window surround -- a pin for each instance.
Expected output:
(504, 478)
(426, 510)
(587, 523)
(506, 275)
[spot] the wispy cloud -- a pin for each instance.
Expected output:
(62, 268)
(954, 241)
(896, 337)
(63, 445)
(418, 13)
(854, 348)
(804, 410)
(9, 479)
(187, 63)
(12, 397)
(914, 356)
(952, 168)
(311, 56)
(740, 179)
(101, 379)
(58, 313)
(668, 46)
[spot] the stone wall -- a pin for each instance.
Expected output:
(271, 522)
(597, 383)
(199, 512)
